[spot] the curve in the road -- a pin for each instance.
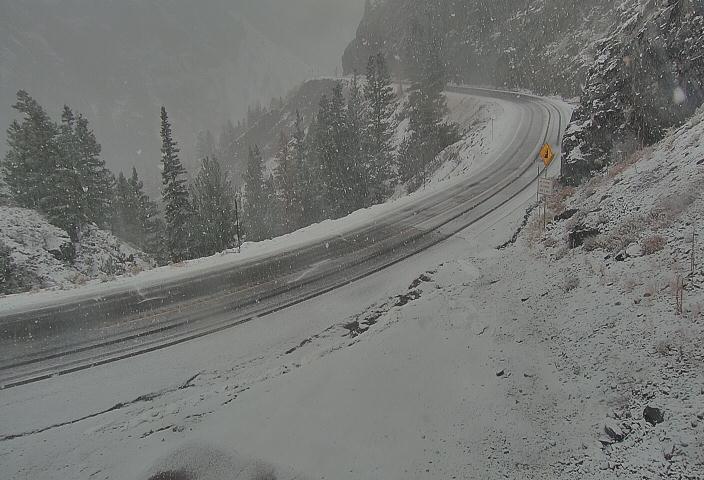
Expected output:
(68, 338)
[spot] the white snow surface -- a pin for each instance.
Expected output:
(489, 126)
(36, 244)
(463, 362)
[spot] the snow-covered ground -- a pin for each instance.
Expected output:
(44, 252)
(490, 125)
(374, 380)
(463, 362)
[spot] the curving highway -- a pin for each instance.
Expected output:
(44, 341)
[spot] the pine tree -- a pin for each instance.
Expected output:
(428, 106)
(254, 196)
(303, 182)
(272, 211)
(381, 101)
(147, 216)
(285, 178)
(358, 175)
(205, 145)
(96, 179)
(62, 201)
(227, 151)
(124, 212)
(30, 161)
(178, 211)
(135, 216)
(81, 190)
(8, 271)
(332, 153)
(314, 191)
(214, 206)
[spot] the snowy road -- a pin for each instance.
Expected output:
(38, 343)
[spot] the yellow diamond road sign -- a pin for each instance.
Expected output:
(547, 155)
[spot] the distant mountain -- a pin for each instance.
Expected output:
(543, 45)
(119, 61)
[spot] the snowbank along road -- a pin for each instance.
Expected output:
(85, 330)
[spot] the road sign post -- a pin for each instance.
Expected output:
(547, 155)
(545, 185)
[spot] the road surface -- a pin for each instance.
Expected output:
(46, 341)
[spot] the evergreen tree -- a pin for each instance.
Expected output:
(333, 146)
(81, 190)
(381, 101)
(62, 201)
(358, 175)
(227, 151)
(272, 212)
(96, 179)
(178, 211)
(214, 206)
(304, 195)
(136, 217)
(428, 106)
(30, 161)
(205, 145)
(286, 176)
(124, 223)
(149, 222)
(13, 279)
(315, 187)
(254, 196)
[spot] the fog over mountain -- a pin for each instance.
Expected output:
(119, 60)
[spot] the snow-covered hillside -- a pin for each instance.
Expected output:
(45, 258)
(613, 289)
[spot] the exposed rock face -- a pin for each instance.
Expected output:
(544, 45)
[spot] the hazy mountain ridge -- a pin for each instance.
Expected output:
(543, 45)
(119, 61)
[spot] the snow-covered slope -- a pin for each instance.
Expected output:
(648, 76)
(45, 257)
(623, 312)
(537, 361)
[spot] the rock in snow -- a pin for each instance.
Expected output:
(614, 431)
(653, 415)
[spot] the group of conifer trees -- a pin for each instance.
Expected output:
(347, 159)
(56, 168)
(344, 161)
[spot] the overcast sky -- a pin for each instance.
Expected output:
(315, 30)
(118, 61)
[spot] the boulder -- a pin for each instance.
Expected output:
(579, 234)
(614, 431)
(653, 415)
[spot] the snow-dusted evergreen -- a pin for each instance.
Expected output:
(429, 135)
(648, 76)
(177, 204)
(381, 104)
(215, 221)
(254, 204)
(136, 217)
(56, 168)
(32, 155)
